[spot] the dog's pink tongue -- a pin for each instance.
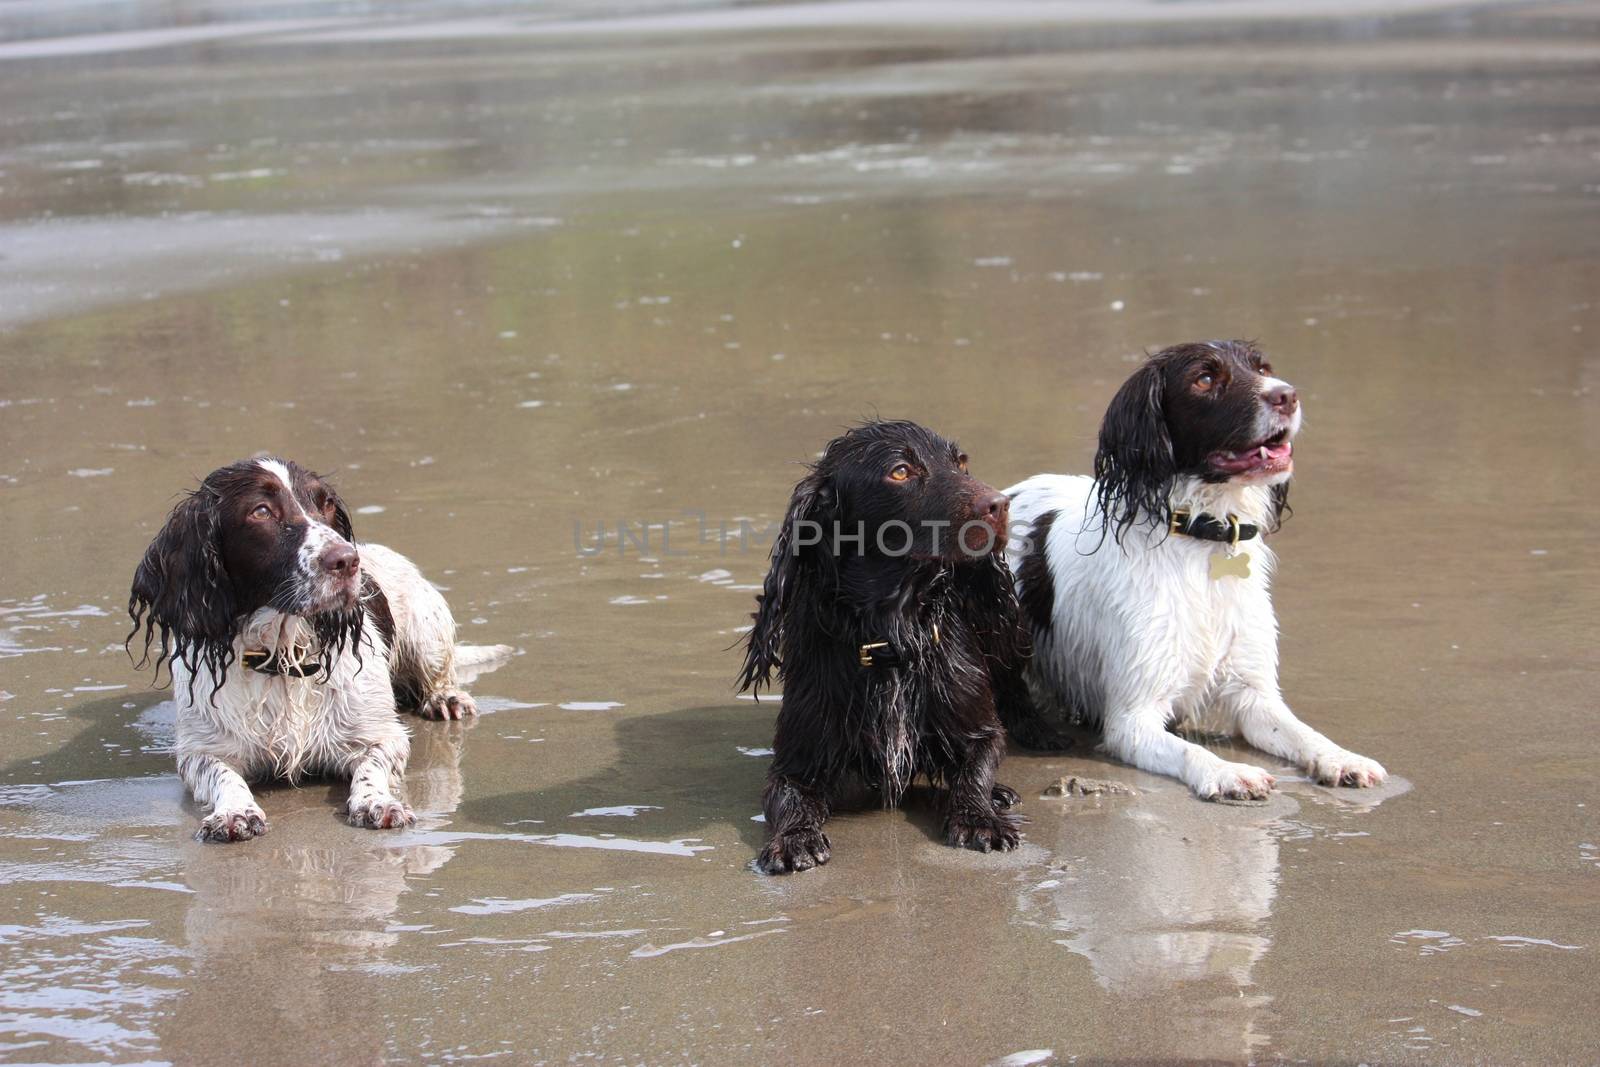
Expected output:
(1251, 459)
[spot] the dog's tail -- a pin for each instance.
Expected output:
(481, 656)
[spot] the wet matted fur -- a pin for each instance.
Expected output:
(1131, 630)
(260, 561)
(945, 614)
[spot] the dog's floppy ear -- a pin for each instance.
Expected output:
(806, 525)
(181, 595)
(1134, 466)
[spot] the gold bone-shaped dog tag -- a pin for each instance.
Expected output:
(1225, 566)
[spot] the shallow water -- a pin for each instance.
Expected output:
(513, 288)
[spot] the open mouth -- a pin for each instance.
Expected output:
(1271, 455)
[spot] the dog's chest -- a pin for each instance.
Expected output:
(278, 725)
(907, 711)
(1204, 614)
(292, 725)
(892, 724)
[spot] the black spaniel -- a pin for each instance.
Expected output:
(891, 618)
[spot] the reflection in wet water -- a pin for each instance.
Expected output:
(514, 289)
(1163, 895)
(1159, 921)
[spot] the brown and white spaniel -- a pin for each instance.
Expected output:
(289, 645)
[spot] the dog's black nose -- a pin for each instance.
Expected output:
(340, 559)
(1283, 397)
(994, 506)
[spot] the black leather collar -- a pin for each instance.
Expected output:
(1229, 531)
(270, 663)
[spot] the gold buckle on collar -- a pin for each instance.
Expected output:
(864, 653)
(253, 659)
(1179, 516)
(1233, 525)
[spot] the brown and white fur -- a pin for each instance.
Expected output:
(1131, 631)
(259, 559)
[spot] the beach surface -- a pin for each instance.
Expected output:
(563, 302)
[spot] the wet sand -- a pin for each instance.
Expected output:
(514, 289)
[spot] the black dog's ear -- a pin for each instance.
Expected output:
(805, 526)
(1134, 466)
(181, 595)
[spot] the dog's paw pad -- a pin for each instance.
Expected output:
(1004, 796)
(240, 825)
(1348, 769)
(798, 850)
(448, 704)
(381, 815)
(982, 833)
(1236, 781)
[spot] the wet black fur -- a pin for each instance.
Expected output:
(936, 716)
(1157, 430)
(206, 572)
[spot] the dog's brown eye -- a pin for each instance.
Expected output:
(1265, 368)
(1206, 380)
(961, 461)
(261, 512)
(900, 473)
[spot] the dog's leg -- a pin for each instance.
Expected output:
(973, 819)
(1253, 705)
(1267, 723)
(422, 655)
(373, 776)
(1138, 735)
(1020, 715)
(431, 674)
(235, 815)
(795, 812)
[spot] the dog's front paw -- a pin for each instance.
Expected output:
(1347, 768)
(982, 833)
(382, 814)
(1235, 781)
(449, 704)
(797, 850)
(1004, 797)
(240, 824)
